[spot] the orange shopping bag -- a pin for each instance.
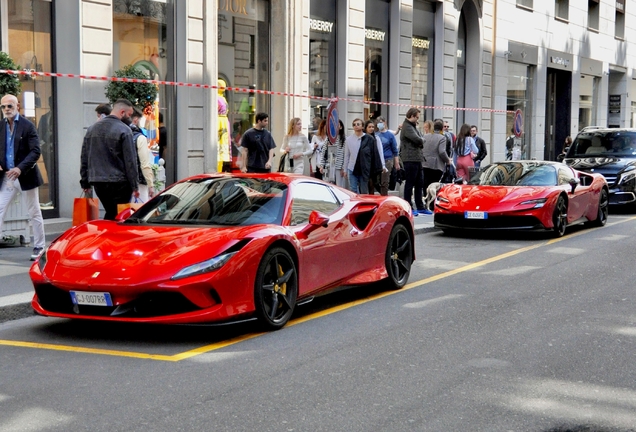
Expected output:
(133, 205)
(85, 209)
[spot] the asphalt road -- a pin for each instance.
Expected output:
(494, 333)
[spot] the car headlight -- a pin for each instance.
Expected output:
(204, 267)
(627, 175)
(535, 203)
(440, 199)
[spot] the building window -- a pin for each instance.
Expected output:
(376, 58)
(29, 28)
(244, 61)
(520, 97)
(588, 100)
(422, 56)
(619, 21)
(562, 9)
(525, 3)
(592, 14)
(322, 54)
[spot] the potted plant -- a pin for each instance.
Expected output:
(9, 84)
(141, 95)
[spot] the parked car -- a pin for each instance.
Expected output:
(612, 153)
(523, 195)
(216, 248)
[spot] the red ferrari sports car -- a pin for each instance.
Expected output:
(216, 248)
(539, 195)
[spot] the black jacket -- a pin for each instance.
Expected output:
(368, 163)
(481, 145)
(109, 154)
(26, 146)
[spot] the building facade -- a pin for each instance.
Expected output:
(467, 61)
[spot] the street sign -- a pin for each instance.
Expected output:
(332, 122)
(518, 123)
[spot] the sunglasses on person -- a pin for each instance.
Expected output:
(10, 106)
(357, 124)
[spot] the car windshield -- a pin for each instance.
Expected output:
(516, 174)
(603, 143)
(216, 201)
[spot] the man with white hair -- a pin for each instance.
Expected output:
(19, 154)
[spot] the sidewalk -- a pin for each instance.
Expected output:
(16, 293)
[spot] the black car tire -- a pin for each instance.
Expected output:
(275, 289)
(559, 217)
(603, 210)
(399, 256)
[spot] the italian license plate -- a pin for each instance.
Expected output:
(91, 298)
(475, 215)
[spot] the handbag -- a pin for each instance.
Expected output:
(281, 162)
(450, 174)
(134, 204)
(85, 208)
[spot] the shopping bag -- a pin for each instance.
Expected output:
(85, 209)
(134, 204)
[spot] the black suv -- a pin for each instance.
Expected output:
(611, 152)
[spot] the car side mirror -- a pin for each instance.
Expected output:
(124, 214)
(574, 182)
(316, 220)
(459, 180)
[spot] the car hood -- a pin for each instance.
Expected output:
(602, 165)
(491, 198)
(131, 253)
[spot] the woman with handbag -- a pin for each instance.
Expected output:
(296, 145)
(340, 175)
(318, 142)
(465, 150)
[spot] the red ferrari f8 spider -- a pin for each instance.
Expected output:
(535, 195)
(217, 248)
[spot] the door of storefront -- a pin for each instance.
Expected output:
(557, 110)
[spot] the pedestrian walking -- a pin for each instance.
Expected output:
(340, 172)
(389, 152)
(411, 144)
(19, 154)
(481, 146)
(109, 159)
(465, 150)
(257, 147)
(362, 158)
(375, 176)
(450, 139)
(102, 110)
(318, 143)
(297, 147)
(144, 167)
(434, 157)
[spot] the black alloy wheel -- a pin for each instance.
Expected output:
(399, 256)
(276, 289)
(560, 217)
(603, 209)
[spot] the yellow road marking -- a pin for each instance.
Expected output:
(332, 310)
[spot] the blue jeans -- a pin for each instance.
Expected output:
(358, 184)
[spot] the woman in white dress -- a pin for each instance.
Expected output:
(296, 145)
(318, 142)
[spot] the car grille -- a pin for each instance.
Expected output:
(150, 304)
(610, 178)
(516, 222)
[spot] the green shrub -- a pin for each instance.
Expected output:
(141, 95)
(9, 84)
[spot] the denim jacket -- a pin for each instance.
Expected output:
(109, 154)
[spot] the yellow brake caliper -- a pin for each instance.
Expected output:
(282, 288)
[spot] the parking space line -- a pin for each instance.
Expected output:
(213, 347)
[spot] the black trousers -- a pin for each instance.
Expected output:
(111, 194)
(414, 180)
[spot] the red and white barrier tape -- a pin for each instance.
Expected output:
(32, 73)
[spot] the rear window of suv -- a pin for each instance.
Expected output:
(596, 143)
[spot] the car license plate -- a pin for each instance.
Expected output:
(91, 298)
(475, 215)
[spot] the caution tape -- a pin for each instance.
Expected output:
(34, 73)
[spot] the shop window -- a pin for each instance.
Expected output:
(525, 3)
(593, 9)
(29, 28)
(422, 57)
(619, 21)
(376, 59)
(588, 98)
(244, 61)
(322, 57)
(562, 9)
(520, 96)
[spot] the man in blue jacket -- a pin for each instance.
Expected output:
(19, 154)
(109, 159)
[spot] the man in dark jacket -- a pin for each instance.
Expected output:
(481, 145)
(411, 144)
(109, 159)
(19, 154)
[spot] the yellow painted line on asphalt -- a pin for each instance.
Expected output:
(330, 311)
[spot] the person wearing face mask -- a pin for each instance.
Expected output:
(390, 151)
(109, 159)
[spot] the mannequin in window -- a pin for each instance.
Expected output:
(224, 149)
